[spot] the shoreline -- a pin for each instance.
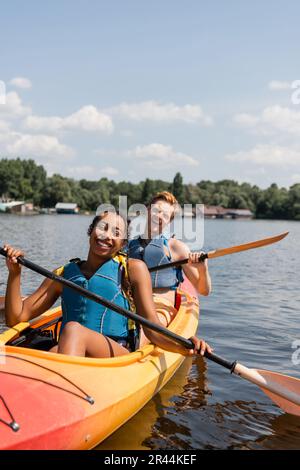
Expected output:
(205, 218)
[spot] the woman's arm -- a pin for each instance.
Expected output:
(18, 310)
(196, 272)
(142, 292)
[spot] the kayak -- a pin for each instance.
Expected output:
(55, 401)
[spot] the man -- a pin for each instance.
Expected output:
(154, 248)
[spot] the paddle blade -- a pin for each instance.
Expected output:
(246, 246)
(285, 385)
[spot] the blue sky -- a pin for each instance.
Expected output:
(134, 89)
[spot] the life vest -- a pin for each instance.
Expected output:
(155, 253)
(106, 282)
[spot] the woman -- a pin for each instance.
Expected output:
(89, 329)
(155, 249)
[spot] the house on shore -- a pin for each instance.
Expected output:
(13, 207)
(214, 212)
(239, 213)
(66, 208)
(17, 207)
(219, 212)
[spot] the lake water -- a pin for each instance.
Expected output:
(252, 315)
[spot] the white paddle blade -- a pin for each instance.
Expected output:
(282, 389)
(290, 402)
(285, 405)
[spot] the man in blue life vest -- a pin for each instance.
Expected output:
(155, 248)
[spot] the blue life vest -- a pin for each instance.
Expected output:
(106, 282)
(155, 253)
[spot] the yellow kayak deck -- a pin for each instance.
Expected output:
(47, 393)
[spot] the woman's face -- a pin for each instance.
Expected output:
(159, 215)
(108, 236)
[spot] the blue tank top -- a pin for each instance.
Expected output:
(106, 282)
(155, 253)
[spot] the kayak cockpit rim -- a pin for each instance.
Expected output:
(188, 307)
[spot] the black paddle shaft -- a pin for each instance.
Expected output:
(175, 264)
(187, 343)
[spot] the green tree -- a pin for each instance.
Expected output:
(293, 205)
(25, 180)
(22, 179)
(178, 188)
(57, 189)
(148, 191)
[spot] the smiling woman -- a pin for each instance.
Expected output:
(89, 329)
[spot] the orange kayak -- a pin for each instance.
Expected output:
(54, 401)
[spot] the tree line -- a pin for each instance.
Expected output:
(25, 180)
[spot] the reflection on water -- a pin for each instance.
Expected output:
(252, 315)
(126, 437)
(285, 434)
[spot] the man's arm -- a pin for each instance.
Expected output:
(196, 272)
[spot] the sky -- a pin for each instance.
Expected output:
(129, 89)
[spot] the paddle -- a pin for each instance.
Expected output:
(282, 389)
(223, 251)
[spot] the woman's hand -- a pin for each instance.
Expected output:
(11, 261)
(194, 260)
(200, 347)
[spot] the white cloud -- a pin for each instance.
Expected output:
(157, 112)
(13, 107)
(283, 119)
(87, 118)
(7, 136)
(271, 120)
(271, 155)
(162, 156)
(2, 92)
(21, 82)
(38, 146)
(276, 85)
(4, 126)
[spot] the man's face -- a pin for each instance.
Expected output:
(159, 215)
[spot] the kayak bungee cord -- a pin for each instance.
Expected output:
(13, 424)
(87, 398)
(30, 334)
